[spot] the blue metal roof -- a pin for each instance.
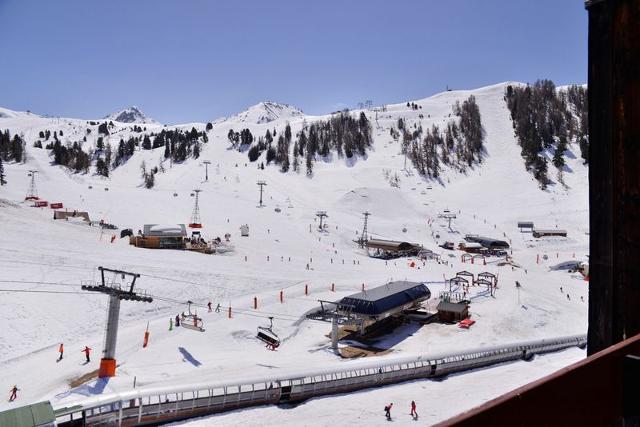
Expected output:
(387, 297)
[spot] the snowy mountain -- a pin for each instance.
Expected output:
(130, 115)
(265, 112)
(285, 252)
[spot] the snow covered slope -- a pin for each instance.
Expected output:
(39, 254)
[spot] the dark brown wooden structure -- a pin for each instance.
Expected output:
(592, 392)
(451, 312)
(614, 177)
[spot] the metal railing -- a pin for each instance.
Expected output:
(163, 404)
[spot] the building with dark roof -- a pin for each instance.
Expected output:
(487, 242)
(393, 248)
(549, 233)
(452, 311)
(373, 305)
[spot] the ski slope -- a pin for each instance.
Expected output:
(39, 254)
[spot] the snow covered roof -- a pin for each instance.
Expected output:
(471, 245)
(387, 297)
(178, 230)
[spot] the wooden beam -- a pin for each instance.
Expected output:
(614, 171)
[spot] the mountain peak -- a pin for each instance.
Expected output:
(267, 111)
(130, 115)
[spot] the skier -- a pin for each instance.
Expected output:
(414, 413)
(86, 351)
(387, 411)
(61, 351)
(177, 320)
(561, 289)
(14, 393)
(218, 308)
(209, 306)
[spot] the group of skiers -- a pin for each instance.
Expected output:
(413, 413)
(87, 354)
(86, 350)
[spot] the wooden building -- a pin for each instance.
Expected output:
(451, 312)
(471, 247)
(157, 236)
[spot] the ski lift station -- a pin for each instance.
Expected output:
(487, 242)
(374, 305)
(155, 236)
(387, 249)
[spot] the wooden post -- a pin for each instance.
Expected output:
(614, 181)
(281, 296)
(229, 312)
(306, 289)
(255, 303)
(333, 287)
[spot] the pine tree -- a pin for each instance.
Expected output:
(3, 180)
(309, 163)
(146, 143)
(558, 156)
(296, 157)
(287, 134)
(149, 179)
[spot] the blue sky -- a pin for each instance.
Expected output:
(189, 60)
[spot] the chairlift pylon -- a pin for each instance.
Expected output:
(266, 335)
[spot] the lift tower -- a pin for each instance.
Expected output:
(206, 164)
(261, 184)
(364, 237)
(321, 215)
(116, 294)
(32, 194)
(195, 216)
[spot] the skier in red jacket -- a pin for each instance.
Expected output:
(414, 413)
(387, 410)
(86, 351)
